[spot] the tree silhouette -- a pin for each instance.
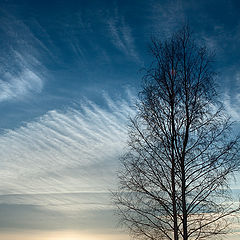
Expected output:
(174, 180)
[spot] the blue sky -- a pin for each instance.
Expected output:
(69, 74)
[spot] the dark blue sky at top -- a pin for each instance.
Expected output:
(82, 49)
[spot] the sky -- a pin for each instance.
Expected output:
(70, 72)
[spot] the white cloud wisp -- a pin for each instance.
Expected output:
(68, 152)
(21, 72)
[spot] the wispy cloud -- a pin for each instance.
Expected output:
(232, 108)
(121, 35)
(16, 85)
(21, 72)
(231, 98)
(64, 152)
(166, 16)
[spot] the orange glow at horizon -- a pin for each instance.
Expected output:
(61, 235)
(75, 235)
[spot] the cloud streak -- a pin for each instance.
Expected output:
(121, 35)
(64, 153)
(231, 97)
(21, 72)
(166, 16)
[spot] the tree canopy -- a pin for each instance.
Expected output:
(174, 179)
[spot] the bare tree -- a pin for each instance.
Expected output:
(174, 181)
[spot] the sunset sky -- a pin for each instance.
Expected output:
(69, 76)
